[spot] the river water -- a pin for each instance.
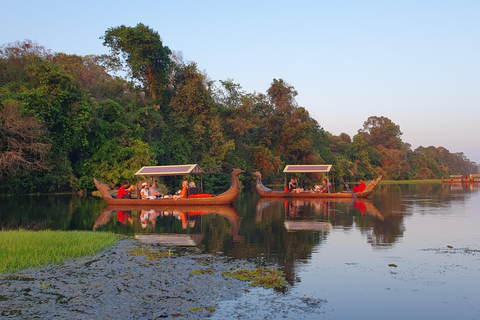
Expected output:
(410, 251)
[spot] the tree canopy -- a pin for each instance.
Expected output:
(65, 119)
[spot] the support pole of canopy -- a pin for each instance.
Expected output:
(136, 189)
(333, 181)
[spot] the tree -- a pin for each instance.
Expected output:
(56, 99)
(282, 96)
(92, 74)
(141, 50)
(358, 153)
(381, 131)
(116, 161)
(22, 141)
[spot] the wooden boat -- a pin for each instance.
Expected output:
(472, 178)
(454, 178)
(266, 192)
(226, 198)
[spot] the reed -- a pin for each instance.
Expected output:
(20, 249)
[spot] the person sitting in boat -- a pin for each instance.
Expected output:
(183, 193)
(297, 189)
(291, 185)
(360, 187)
(154, 192)
(326, 187)
(145, 193)
(124, 192)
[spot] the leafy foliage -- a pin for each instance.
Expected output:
(65, 119)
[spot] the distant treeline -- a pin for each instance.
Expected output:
(67, 118)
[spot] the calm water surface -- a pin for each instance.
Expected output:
(408, 252)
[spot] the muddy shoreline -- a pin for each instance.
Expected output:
(130, 280)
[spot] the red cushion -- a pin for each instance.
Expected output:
(200, 196)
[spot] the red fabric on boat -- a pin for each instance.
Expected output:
(200, 196)
(197, 213)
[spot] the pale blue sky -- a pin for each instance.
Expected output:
(415, 62)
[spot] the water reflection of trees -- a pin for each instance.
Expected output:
(271, 241)
(53, 212)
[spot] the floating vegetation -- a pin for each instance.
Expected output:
(150, 255)
(200, 309)
(44, 285)
(198, 272)
(452, 250)
(392, 265)
(259, 278)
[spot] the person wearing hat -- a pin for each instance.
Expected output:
(145, 193)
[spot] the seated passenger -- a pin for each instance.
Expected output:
(153, 191)
(291, 185)
(145, 193)
(183, 193)
(326, 187)
(360, 187)
(123, 192)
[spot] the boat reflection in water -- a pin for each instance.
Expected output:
(317, 214)
(462, 186)
(173, 225)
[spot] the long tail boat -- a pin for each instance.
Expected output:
(226, 198)
(267, 192)
(454, 178)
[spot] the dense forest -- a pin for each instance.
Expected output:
(67, 118)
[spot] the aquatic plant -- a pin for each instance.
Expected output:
(259, 278)
(150, 255)
(198, 272)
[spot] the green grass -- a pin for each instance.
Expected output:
(22, 249)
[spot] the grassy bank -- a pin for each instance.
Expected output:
(22, 249)
(410, 181)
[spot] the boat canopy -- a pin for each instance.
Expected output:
(175, 170)
(322, 168)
